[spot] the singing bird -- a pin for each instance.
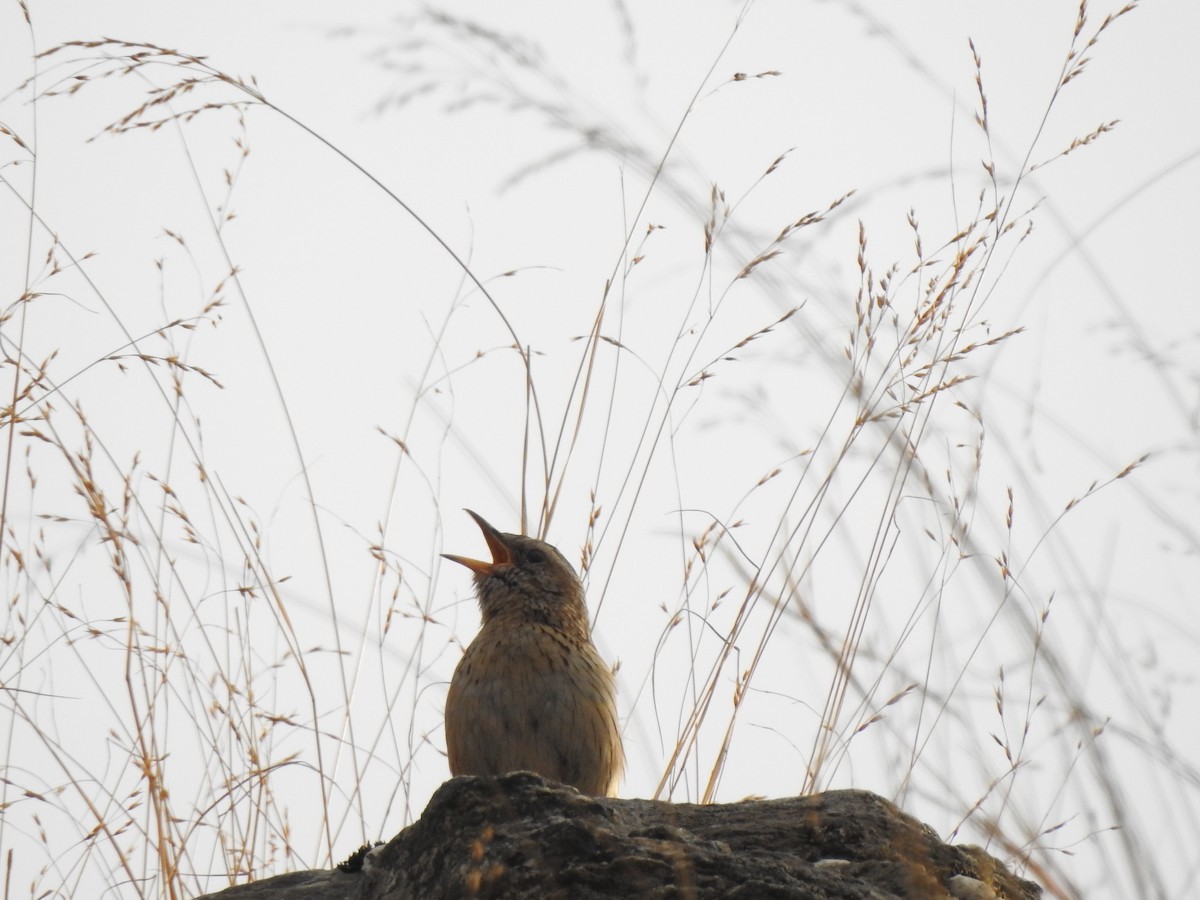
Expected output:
(531, 693)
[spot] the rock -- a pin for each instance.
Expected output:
(520, 836)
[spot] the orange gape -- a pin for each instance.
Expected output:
(531, 693)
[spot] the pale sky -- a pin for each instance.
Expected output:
(526, 142)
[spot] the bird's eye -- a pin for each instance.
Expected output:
(535, 556)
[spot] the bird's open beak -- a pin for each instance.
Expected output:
(495, 541)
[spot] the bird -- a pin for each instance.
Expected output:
(531, 692)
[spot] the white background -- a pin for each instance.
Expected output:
(348, 294)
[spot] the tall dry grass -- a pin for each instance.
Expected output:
(801, 531)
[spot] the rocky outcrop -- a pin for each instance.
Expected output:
(520, 836)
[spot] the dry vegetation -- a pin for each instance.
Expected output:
(182, 710)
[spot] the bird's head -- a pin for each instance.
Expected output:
(526, 579)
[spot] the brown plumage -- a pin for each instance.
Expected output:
(531, 693)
